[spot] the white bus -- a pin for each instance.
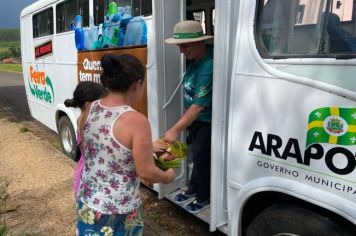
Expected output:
(284, 99)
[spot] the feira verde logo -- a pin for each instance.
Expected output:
(41, 85)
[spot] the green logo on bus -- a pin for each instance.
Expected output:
(41, 85)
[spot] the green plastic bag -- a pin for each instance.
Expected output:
(178, 150)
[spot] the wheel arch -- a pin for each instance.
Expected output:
(65, 111)
(261, 193)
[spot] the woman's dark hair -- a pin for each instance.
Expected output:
(86, 91)
(121, 71)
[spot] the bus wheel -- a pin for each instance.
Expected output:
(287, 220)
(67, 137)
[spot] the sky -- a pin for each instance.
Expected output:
(10, 12)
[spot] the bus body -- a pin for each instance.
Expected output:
(284, 110)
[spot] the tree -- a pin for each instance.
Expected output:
(15, 51)
(4, 55)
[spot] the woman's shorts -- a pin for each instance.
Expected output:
(93, 223)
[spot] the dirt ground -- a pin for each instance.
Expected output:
(39, 191)
(40, 198)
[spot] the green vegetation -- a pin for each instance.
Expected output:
(3, 49)
(4, 54)
(4, 44)
(9, 35)
(2, 229)
(10, 43)
(3, 196)
(12, 51)
(24, 129)
(11, 67)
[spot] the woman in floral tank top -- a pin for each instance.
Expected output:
(118, 152)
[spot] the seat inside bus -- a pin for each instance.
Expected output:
(339, 39)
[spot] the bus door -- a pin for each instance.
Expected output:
(169, 64)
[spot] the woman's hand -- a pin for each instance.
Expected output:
(171, 175)
(160, 146)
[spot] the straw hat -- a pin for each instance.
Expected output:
(187, 32)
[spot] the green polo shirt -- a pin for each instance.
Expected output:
(198, 84)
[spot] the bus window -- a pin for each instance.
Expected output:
(43, 23)
(102, 9)
(84, 11)
(305, 28)
(117, 23)
(200, 16)
(98, 12)
(68, 10)
(129, 7)
(142, 8)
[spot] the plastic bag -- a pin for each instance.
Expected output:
(176, 152)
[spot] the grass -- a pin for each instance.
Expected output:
(4, 46)
(9, 35)
(8, 44)
(3, 49)
(2, 229)
(11, 67)
(3, 195)
(24, 129)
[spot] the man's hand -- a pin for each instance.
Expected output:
(170, 136)
(188, 117)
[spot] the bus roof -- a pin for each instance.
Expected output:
(36, 6)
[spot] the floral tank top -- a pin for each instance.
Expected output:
(109, 181)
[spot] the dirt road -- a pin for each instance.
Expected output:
(40, 198)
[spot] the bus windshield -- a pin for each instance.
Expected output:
(306, 28)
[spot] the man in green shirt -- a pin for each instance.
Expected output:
(197, 83)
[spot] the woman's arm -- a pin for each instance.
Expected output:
(81, 122)
(142, 151)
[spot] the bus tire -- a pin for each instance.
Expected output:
(292, 220)
(67, 137)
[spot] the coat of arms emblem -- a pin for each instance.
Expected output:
(335, 125)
